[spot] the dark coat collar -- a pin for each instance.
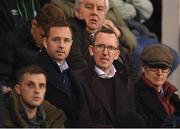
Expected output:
(150, 98)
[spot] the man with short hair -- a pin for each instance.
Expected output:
(109, 92)
(63, 89)
(26, 107)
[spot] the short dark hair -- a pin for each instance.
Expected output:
(49, 14)
(56, 23)
(31, 69)
(107, 31)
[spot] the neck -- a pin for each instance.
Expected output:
(91, 31)
(158, 88)
(61, 61)
(107, 71)
(30, 111)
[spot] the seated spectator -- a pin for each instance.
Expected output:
(15, 13)
(109, 92)
(155, 97)
(26, 107)
(20, 48)
(63, 89)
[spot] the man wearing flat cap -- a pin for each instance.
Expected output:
(155, 97)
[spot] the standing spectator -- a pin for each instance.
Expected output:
(20, 48)
(155, 97)
(63, 89)
(109, 92)
(26, 107)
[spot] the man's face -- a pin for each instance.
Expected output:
(93, 12)
(156, 75)
(104, 51)
(37, 33)
(58, 43)
(32, 89)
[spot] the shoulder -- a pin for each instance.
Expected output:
(54, 115)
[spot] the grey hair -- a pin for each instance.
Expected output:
(78, 2)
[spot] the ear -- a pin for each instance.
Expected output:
(76, 13)
(33, 23)
(91, 50)
(17, 89)
(45, 42)
(117, 54)
(142, 69)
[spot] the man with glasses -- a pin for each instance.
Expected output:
(155, 97)
(109, 93)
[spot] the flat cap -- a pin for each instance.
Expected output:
(157, 54)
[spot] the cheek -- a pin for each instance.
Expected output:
(43, 92)
(147, 75)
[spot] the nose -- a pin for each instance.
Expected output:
(61, 43)
(37, 89)
(105, 51)
(94, 10)
(159, 70)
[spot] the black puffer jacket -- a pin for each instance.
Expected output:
(18, 49)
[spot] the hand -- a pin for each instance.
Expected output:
(109, 24)
(6, 89)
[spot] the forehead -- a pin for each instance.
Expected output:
(94, 2)
(34, 77)
(60, 31)
(106, 38)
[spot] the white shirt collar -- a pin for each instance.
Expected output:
(104, 75)
(63, 66)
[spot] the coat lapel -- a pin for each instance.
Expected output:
(153, 103)
(52, 70)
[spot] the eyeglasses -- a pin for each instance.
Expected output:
(155, 68)
(102, 47)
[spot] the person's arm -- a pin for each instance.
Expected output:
(126, 37)
(125, 9)
(144, 9)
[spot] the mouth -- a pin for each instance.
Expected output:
(104, 59)
(60, 52)
(93, 21)
(36, 98)
(158, 79)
